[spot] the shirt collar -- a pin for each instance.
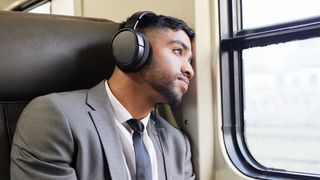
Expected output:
(121, 113)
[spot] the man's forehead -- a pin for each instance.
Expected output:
(169, 34)
(168, 37)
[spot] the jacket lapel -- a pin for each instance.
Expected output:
(159, 138)
(103, 118)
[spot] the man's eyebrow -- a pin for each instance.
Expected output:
(181, 43)
(185, 47)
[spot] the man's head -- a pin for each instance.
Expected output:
(131, 49)
(168, 42)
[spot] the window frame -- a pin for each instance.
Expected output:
(233, 40)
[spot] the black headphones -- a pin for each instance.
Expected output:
(130, 48)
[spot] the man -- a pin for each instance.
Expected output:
(93, 134)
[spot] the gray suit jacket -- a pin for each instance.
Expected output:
(73, 135)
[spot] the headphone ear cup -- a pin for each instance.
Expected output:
(130, 50)
(144, 56)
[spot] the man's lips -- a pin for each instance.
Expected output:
(184, 79)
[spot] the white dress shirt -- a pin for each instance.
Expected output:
(121, 116)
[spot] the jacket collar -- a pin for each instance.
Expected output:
(159, 139)
(103, 119)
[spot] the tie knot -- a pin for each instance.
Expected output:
(136, 125)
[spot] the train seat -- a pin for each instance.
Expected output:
(40, 54)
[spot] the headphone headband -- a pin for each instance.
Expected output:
(134, 20)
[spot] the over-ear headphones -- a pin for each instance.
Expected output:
(130, 48)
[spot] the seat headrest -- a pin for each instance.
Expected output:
(40, 53)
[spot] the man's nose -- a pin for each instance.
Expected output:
(187, 70)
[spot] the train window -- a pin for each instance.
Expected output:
(259, 13)
(270, 69)
(281, 105)
(61, 7)
(43, 8)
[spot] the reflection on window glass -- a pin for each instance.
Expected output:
(258, 13)
(282, 105)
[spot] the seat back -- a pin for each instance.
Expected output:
(40, 54)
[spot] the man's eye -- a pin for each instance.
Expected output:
(178, 51)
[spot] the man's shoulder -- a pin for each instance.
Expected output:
(62, 96)
(71, 96)
(66, 94)
(160, 122)
(174, 136)
(60, 100)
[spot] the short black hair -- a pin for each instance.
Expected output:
(161, 21)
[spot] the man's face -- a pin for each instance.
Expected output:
(169, 70)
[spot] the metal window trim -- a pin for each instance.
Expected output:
(279, 33)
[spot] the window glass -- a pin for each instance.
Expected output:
(43, 9)
(258, 13)
(282, 104)
(61, 7)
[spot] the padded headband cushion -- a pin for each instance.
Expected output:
(134, 20)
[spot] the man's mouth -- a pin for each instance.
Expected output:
(185, 80)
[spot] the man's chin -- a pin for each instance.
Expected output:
(171, 96)
(175, 102)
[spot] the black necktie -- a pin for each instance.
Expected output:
(143, 163)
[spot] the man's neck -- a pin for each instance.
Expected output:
(132, 95)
